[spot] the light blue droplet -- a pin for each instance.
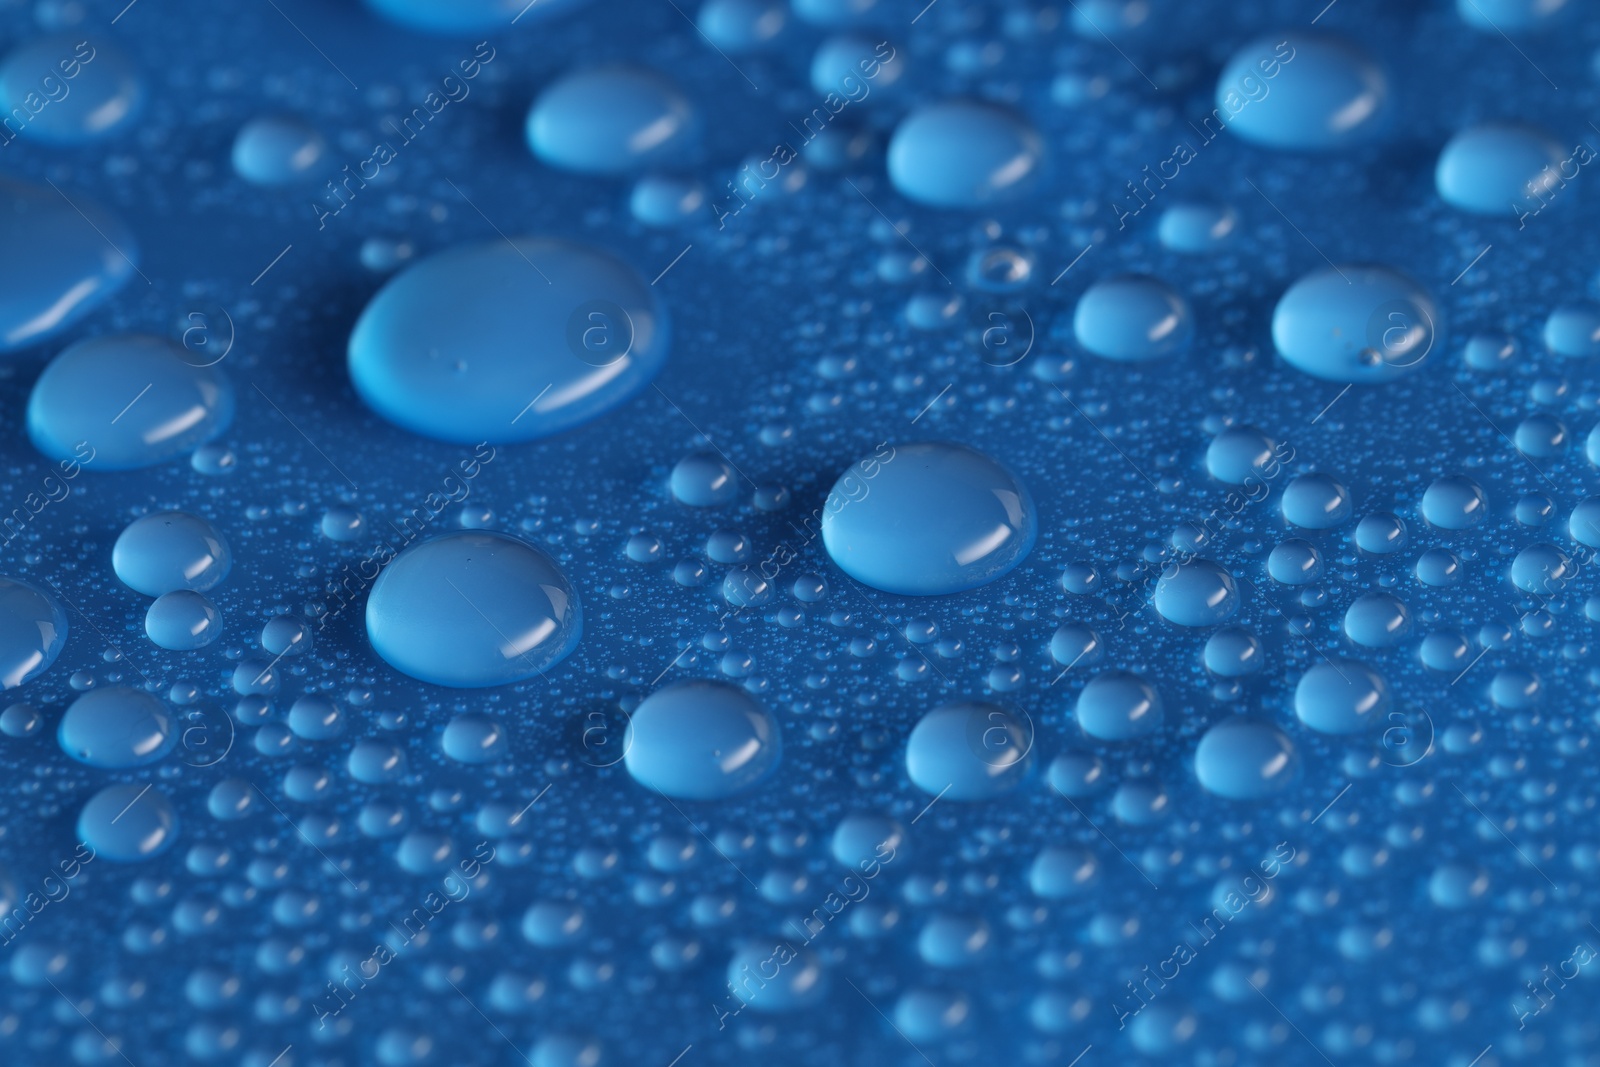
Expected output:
(71, 266)
(1059, 872)
(798, 982)
(277, 150)
(286, 635)
(1233, 652)
(704, 480)
(1133, 319)
(1574, 331)
(1119, 705)
(1198, 592)
(126, 401)
(611, 120)
(1439, 567)
(1341, 697)
(1245, 759)
(473, 609)
(1380, 533)
(1541, 436)
(701, 740)
(1454, 502)
(457, 17)
(1316, 501)
(117, 727)
(33, 631)
(1077, 774)
(1498, 169)
(182, 620)
(1498, 17)
(1377, 620)
(1355, 324)
(932, 1015)
(841, 64)
(927, 519)
(741, 25)
(507, 341)
(473, 739)
(128, 823)
(1196, 227)
(171, 550)
(969, 751)
(73, 90)
(664, 200)
(1299, 90)
(859, 841)
(1543, 570)
(1584, 523)
(963, 154)
(1295, 562)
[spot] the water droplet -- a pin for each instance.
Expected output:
(277, 150)
(116, 728)
(473, 609)
(1355, 324)
(962, 154)
(1316, 502)
(102, 92)
(126, 401)
(171, 550)
(71, 268)
(127, 823)
(1133, 319)
(612, 120)
(1492, 169)
(701, 740)
(182, 620)
(1198, 592)
(1119, 705)
(458, 17)
(1300, 91)
(1245, 759)
(1343, 697)
(969, 751)
(1454, 502)
(33, 631)
(507, 341)
(928, 519)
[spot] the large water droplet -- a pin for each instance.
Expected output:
(171, 550)
(73, 90)
(969, 751)
(455, 17)
(612, 120)
(1196, 593)
(277, 150)
(127, 823)
(1498, 169)
(701, 740)
(1244, 759)
(1299, 90)
(1355, 324)
(473, 609)
(963, 154)
(1133, 319)
(126, 401)
(33, 630)
(927, 519)
(116, 727)
(1119, 705)
(72, 265)
(507, 341)
(1343, 697)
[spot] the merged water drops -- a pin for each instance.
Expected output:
(507, 341)
(473, 609)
